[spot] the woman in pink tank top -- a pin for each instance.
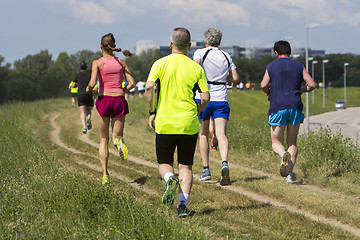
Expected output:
(111, 104)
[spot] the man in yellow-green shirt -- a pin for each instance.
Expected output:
(174, 117)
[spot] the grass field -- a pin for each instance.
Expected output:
(52, 191)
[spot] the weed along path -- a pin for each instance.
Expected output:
(143, 167)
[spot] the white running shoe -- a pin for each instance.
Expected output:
(290, 178)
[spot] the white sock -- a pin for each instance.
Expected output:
(167, 176)
(183, 197)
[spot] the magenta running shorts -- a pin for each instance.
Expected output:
(108, 106)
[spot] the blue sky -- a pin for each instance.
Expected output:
(27, 27)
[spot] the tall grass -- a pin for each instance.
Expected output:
(40, 199)
(328, 154)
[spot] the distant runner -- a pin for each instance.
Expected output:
(176, 121)
(282, 85)
(85, 99)
(73, 91)
(111, 103)
(140, 88)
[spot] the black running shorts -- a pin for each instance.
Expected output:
(165, 148)
(85, 100)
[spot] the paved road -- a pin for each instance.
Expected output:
(345, 120)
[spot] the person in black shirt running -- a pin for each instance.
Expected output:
(85, 99)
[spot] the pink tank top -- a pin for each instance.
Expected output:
(111, 75)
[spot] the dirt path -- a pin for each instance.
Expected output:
(55, 137)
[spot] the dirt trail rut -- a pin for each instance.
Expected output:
(55, 137)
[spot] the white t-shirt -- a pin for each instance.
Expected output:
(216, 68)
(140, 86)
(241, 85)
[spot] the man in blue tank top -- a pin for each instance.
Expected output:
(282, 84)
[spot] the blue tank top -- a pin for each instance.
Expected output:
(286, 77)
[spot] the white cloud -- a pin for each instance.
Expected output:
(207, 12)
(322, 11)
(204, 11)
(188, 11)
(87, 11)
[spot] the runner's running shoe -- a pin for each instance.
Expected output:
(105, 180)
(84, 130)
(213, 148)
(206, 175)
(225, 175)
(88, 124)
(290, 178)
(169, 194)
(284, 164)
(182, 210)
(123, 150)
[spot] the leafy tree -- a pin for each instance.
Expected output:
(140, 65)
(20, 88)
(62, 72)
(86, 56)
(4, 72)
(252, 70)
(38, 76)
(33, 66)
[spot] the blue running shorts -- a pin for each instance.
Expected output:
(214, 109)
(286, 116)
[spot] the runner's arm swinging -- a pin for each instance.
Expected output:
(150, 97)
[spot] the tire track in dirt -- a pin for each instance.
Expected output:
(55, 137)
(236, 189)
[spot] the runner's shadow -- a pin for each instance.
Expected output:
(300, 182)
(142, 180)
(251, 179)
(211, 210)
(217, 181)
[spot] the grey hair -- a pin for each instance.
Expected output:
(180, 38)
(213, 37)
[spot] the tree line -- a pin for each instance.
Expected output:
(39, 77)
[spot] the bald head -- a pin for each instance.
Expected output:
(180, 39)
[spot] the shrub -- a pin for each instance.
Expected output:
(329, 154)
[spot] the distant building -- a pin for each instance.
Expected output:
(249, 51)
(144, 45)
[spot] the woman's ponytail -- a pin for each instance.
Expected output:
(108, 40)
(127, 53)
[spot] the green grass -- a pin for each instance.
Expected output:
(45, 194)
(41, 199)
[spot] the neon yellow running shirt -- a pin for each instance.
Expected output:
(74, 89)
(176, 111)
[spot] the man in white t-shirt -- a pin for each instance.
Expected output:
(220, 70)
(140, 88)
(241, 86)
